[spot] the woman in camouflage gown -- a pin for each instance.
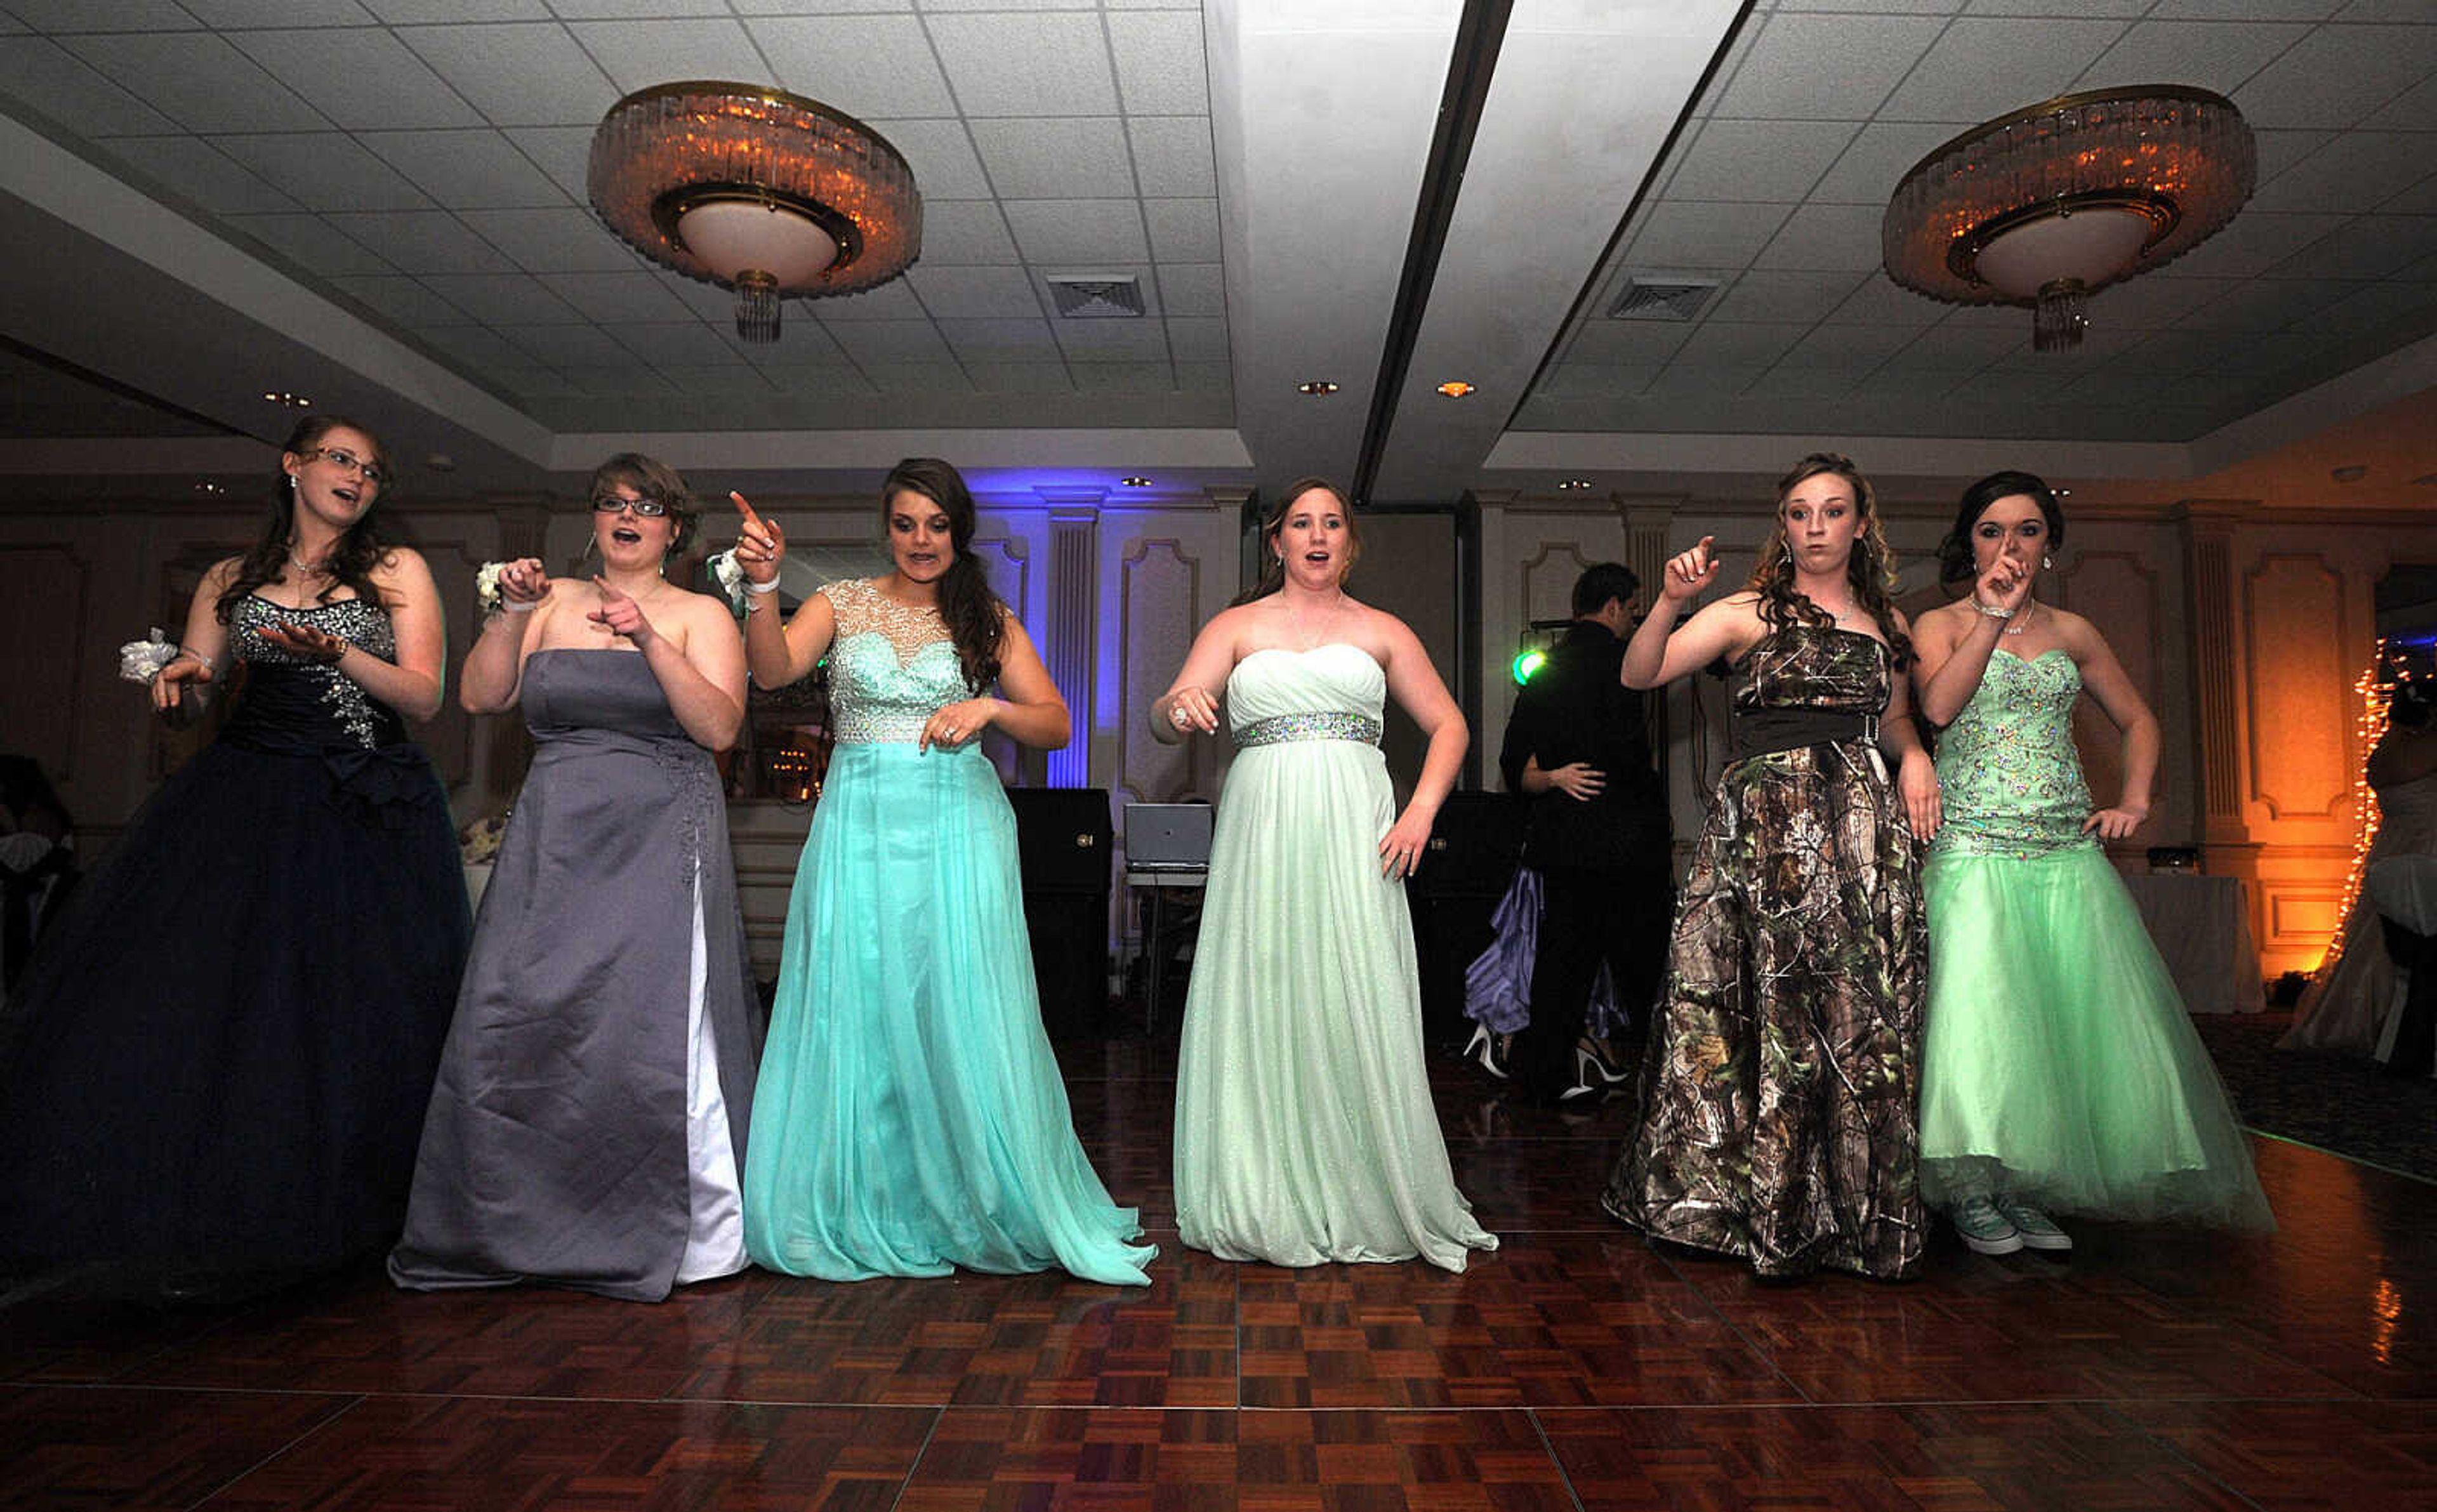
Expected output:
(1780, 1085)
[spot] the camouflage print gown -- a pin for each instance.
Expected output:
(1780, 1086)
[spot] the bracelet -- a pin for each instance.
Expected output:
(1993, 613)
(189, 650)
(753, 605)
(757, 589)
(519, 606)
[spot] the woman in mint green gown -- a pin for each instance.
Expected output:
(1304, 1132)
(2060, 1073)
(910, 1118)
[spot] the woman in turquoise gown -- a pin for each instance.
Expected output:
(910, 1118)
(2060, 1073)
(1304, 1132)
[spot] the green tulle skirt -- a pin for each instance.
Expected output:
(2059, 1066)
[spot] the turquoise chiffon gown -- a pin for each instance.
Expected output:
(910, 1118)
(1304, 1127)
(2059, 1066)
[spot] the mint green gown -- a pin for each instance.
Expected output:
(2059, 1068)
(1304, 1132)
(910, 1118)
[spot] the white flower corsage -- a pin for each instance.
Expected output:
(486, 588)
(140, 661)
(730, 578)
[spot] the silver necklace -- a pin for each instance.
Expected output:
(2022, 617)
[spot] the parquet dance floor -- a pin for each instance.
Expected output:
(1574, 1368)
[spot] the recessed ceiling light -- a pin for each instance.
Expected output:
(286, 400)
(1455, 387)
(2352, 473)
(1135, 482)
(1316, 387)
(1575, 484)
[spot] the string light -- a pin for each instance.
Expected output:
(2376, 693)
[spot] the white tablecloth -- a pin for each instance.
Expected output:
(2202, 927)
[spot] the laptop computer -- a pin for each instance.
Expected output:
(1167, 837)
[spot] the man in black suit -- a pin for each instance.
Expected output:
(1578, 748)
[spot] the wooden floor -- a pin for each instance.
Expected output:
(1573, 1368)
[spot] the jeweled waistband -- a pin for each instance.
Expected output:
(1332, 725)
(878, 729)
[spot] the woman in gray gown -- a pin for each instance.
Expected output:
(590, 1115)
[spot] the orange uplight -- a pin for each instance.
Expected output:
(1455, 387)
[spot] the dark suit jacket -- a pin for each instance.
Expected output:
(1575, 709)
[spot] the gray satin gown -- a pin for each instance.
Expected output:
(589, 1122)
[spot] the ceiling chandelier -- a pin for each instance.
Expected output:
(2048, 205)
(755, 189)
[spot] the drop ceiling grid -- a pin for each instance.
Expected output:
(1777, 183)
(429, 168)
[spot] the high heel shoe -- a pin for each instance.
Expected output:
(1592, 1057)
(1591, 1076)
(1486, 1050)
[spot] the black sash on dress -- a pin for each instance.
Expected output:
(1764, 732)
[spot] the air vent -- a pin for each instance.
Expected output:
(1648, 299)
(1096, 295)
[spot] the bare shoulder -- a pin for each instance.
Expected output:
(2076, 632)
(400, 564)
(217, 577)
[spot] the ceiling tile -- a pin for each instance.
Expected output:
(1205, 377)
(2146, 303)
(1831, 237)
(311, 243)
(975, 293)
(1159, 66)
(731, 380)
(200, 81)
(1005, 64)
(64, 87)
(1068, 158)
(1173, 157)
(1810, 381)
(479, 169)
(2420, 200)
(564, 152)
(1595, 380)
(940, 152)
(324, 171)
(195, 170)
(2357, 170)
(2265, 303)
(612, 372)
(2337, 75)
(640, 53)
(631, 10)
(1196, 339)
(119, 16)
(1826, 68)
(2245, 9)
(1880, 156)
(627, 298)
(425, 12)
(1835, 346)
(504, 299)
(892, 301)
(570, 348)
(872, 67)
(2209, 55)
(409, 302)
(964, 232)
(1983, 67)
(361, 77)
(2383, 11)
(424, 241)
(873, 341)
(1758, 160)
(840, 7)
(485, 350)
(1763, 295)
(2414, 110)
(1021, 377)
(566, 240)
(1628, 343)
(1955, 348)
(2279, 150)
(1192, 288)
(1181, 230)
(1113, 340)
(1124, 377)
(2124, 9)
(1084, 231)
(917, 377)
(1000, 340)
(1879, 300)
(1696, 234)
(667, 344)
(1721, 343)
(2252, 244)
(531, 75)
(1703, 380)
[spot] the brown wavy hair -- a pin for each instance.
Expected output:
(1871, 569)
(976, 616)
(1273, 569)
(654, 479)
(359, 548)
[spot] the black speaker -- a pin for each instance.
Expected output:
(1065, 845)
(1476, 842)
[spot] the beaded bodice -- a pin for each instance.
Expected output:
(890, 666)
(2007, 774)
(309, 701)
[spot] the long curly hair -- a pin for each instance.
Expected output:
(976, 616)
(1273, 569)
(359, 549)
(1871, 569)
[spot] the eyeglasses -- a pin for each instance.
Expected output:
(369, 472)
(650, 509)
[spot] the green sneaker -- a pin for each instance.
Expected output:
(2035, 1228)
(1985, 1230)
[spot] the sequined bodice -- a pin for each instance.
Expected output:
(1807, 667)
(291, 700)
(891, 666)
(2007, 771)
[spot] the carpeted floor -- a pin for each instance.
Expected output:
(2347, 1107)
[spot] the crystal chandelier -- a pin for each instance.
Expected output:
(756, 190)
(2050, 204)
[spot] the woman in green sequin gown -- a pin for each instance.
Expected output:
(2060, 1072)
(1778, 1087)
(1305, 1131)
